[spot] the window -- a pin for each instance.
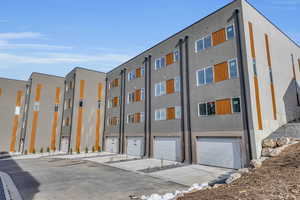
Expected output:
(178, 112)
(131, 75)
(114, 102)
(69, 103)
(202, 110)
(205, 76)
(236, 108)
(113, 121)
(203, 43)
(207, 42)
(130, 97)
(142, 116)
(230, 32)
(209, 75)
(67, 121)
(177, 84)
(160, 114)
(160, 88)
(233, 68)
(176, 55)
(130, 118)
(160, 63)
(142, 93)
(143, 71)
(211, 108)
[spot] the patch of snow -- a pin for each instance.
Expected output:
(172, 196)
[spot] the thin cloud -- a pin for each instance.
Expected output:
(20, 35)
(8, 45)
(284, 4)
(56, 58)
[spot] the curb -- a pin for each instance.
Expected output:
(10, 190)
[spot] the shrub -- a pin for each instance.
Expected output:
(71, 151)
(86, 149)
(33, 151)
(48, 149)
(93, 149)
(42, 150)
(26, 152)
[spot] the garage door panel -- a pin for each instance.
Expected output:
(167, 148)
(135, 146)
(222, 152)
(112, 144)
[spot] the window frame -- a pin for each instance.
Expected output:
(233, 27)
(231, 102)
(160, 62)
(237, 68)
(205, 82)
(203, 39)
(199, 115)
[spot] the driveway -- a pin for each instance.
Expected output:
(54, 178)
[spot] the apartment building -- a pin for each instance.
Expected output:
(12, 101)
(83, 111)
(208, 94)
(43, 113)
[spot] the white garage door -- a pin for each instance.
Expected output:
(167, 148)
(221, 152)
(135, 146)
(112, 144)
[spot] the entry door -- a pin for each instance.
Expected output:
(64, 144)
(220, 152)
(135, 146)
(112, 144)
(167, 148)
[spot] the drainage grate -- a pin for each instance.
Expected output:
(2, 193)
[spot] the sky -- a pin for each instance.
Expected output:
(54, 36)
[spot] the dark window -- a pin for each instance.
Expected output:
(202, 109)
(80, 103)
(236, 105)
(211, 108)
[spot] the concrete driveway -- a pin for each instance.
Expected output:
(54, 178)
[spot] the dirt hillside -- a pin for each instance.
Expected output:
(278, 178)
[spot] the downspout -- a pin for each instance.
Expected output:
(244, 101)
(62, 118)
(187, 79)
(105, 108)
(146, 105)
(295, 80)
(149, 106)
(72, 112)
(120, 115)
(123, 109)
(182, 100)
(25, 119)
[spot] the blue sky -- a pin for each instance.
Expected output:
(54, 36)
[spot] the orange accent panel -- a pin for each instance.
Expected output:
(38, 92)
(100, 88)
(0, 92)
(170, 113)
(268, 50)
(14, 134)
(252, 40)
(54, 131)
(169, 58)
(223, 107)
(138, 95)
(79, 128)
(170, 86)
(98, 120)
(15, 123)
(82, 85)
(273, 101)
(298, 64)
(221, 72)
(219, 37)
(57, 95)
(137, 117)
(257, 97)
(138, 73)
(115, 101)
(33, 131)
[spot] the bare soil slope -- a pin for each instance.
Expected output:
(278, 178)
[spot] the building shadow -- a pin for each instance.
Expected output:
(27, 185)
(291, 101)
